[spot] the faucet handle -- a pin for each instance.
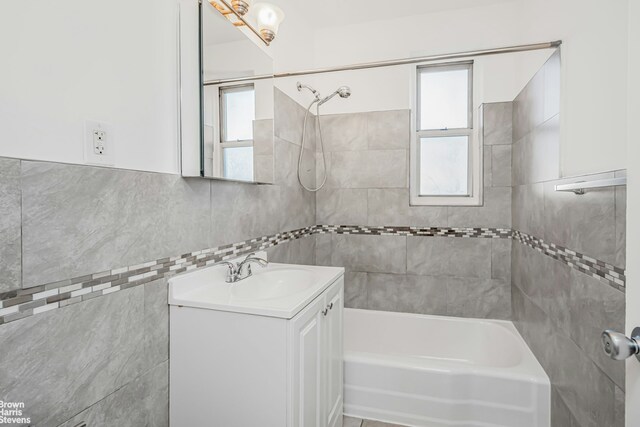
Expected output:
(231, 271)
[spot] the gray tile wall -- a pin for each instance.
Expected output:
(367, 162)
(560, 311)
(105, 361)
(10, 232)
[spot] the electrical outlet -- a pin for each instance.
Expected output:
(99, 143)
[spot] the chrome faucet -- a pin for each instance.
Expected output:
(242, 270)
(251, 258)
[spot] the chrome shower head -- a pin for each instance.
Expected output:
(343, 91)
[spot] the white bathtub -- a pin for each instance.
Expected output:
(437, 371)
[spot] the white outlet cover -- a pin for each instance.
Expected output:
(91, 157)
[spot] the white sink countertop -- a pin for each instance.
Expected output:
(278, 290)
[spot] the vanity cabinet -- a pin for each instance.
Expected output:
(237, 369)
(317, 384)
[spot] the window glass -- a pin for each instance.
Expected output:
(443, 98)
(238, 163)
(238, 113)
(444, 166)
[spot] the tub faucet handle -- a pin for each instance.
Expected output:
(619, 347)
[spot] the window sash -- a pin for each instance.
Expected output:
(444, 134)
(223, 111)
(435, 68)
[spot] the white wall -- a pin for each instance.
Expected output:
(633, 212)
(116, 62)
(112, 61)
(594, 61)
(496, 79)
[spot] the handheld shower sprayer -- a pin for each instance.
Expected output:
(344, 92)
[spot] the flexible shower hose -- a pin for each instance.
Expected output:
(324, 160)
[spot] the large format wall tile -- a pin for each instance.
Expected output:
(381, 254)
(368, 169)
(483, 298)
(536, 156)
(299, 251)
(552, 79)
(501, 259)
(288, 118)
(286, 160)
(453, 257)
(95, 348)
(498, 123)
(341, 206)
(528, 107)
(344, 132)
(588, 394)
(423, 295)
(241, 211)
(496, 211)
(10, 225)
(390, 206)
(585, 223)
(143, 402)
(561, 311)
(528, 209)
(156, 322)
(355, 289)
(594, 307)
(79, 220)
(621, 223)
(500, 166)
(388, 130)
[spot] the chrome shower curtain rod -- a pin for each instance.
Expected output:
(396, 62)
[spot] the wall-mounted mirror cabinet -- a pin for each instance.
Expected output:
(226, 99)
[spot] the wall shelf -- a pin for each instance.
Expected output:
(581, 186)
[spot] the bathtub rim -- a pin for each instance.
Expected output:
(528, 369)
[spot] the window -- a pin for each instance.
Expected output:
(237, 114)
(445, 161)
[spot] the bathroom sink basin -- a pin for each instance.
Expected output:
(278, 290)
(272, 283)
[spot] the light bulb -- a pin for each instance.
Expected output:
(269, 18)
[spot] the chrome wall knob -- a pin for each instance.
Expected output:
(620, 347)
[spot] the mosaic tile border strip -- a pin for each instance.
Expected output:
(605, 272)
(488, 233)
(23, 303)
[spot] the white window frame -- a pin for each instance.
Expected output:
(222, 142)
(474, 198)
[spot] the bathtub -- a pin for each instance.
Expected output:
(437, 371)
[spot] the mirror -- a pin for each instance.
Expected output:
(236, 136)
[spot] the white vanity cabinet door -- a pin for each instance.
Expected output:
(317, 361)
(306, 345)
(333, 355)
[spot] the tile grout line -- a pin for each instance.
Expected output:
(21, 303)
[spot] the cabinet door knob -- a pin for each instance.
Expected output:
(330, 306)
(325, 311)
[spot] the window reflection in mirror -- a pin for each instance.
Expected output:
(237, 109)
